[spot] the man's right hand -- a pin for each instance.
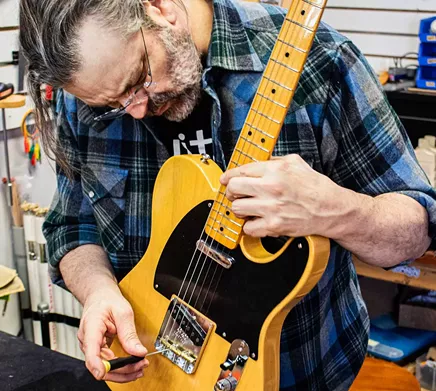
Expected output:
(106, 314)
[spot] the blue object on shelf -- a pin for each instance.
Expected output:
(426, 78)
(427, 54)
(390, 342)
(425, 35)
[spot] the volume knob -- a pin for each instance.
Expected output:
(227, 384)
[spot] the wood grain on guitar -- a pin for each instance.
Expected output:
(213, 299)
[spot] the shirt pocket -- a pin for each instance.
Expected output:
(105, 188)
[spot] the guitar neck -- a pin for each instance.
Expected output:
(269, 108)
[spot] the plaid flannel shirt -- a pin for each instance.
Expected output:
(340, 122)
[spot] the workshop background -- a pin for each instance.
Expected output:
(396, 38)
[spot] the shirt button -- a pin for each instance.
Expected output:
(91, 194)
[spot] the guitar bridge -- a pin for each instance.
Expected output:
(183, 335)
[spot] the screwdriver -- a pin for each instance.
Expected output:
(111, 365)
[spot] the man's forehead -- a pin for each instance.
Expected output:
(107, 61)
(101, 47)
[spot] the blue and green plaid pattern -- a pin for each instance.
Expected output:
(340, 122)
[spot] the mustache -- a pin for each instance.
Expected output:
(156, 101)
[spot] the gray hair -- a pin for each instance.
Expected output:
(49, 40)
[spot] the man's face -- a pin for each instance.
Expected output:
(113, 68)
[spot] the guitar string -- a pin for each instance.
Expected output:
(266, 87)
(269, 85)
(213, 239)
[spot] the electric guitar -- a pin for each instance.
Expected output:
(211, 299)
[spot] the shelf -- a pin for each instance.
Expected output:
(426, 279)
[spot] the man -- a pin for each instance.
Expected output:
(180, 77)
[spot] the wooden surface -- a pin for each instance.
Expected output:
(13, 102)
(378, 375)
(426, 279)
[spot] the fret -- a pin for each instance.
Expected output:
(224, 206)
(226, 217)
(229, 229)
(284, 65)
(243, 153)
(218, 231)
(260, 131)
(220, 192)
(272, 101)
(301, 25)
(256, 145)
(313, 4)
(263, 115)
(278, 84)
(236, 164)
(292, 46)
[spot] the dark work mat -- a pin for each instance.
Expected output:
(26, 366)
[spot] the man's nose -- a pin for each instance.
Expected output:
(138, 108)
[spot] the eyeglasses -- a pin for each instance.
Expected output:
(133, 98)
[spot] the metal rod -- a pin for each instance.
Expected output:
(8, 169)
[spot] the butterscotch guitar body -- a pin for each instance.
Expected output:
(247, 301)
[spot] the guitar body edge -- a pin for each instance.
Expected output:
(183, 183)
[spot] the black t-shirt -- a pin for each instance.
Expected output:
(191, 136)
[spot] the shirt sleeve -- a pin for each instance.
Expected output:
(70, 222)
(374, 155)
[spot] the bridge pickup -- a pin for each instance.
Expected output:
(219, 256)
(183, 335)
(188, 323)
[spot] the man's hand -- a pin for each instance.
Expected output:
(284, 195)
(106, 314)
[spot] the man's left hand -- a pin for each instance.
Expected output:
(283, 196)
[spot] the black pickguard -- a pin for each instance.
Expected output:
(239, 298)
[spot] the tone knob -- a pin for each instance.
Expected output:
(227, 384)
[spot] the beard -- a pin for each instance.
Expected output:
(184, 70)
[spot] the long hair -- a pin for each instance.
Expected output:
(49, 31)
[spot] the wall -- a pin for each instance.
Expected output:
(40, 182)
(382, 29)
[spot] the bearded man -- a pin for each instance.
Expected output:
(141, 81)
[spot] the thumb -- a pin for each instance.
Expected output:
(127, 334)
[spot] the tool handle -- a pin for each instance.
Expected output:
(121, 362)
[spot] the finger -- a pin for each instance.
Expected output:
(247, 170)
(107, 354)
(127, 334)
(257, 228)
(94, 332)
(250, 207)
(122, 378)
(242, 187)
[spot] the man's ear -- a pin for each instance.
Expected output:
(165, 9)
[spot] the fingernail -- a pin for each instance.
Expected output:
(96, 373)
(138, 346)
(147, 363)
(139, 375)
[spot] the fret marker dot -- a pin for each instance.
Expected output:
(250, 133)
(303, 12)
(227, 213)
(287, 54)
(263, 140)
(221, 229)
(273, 90)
